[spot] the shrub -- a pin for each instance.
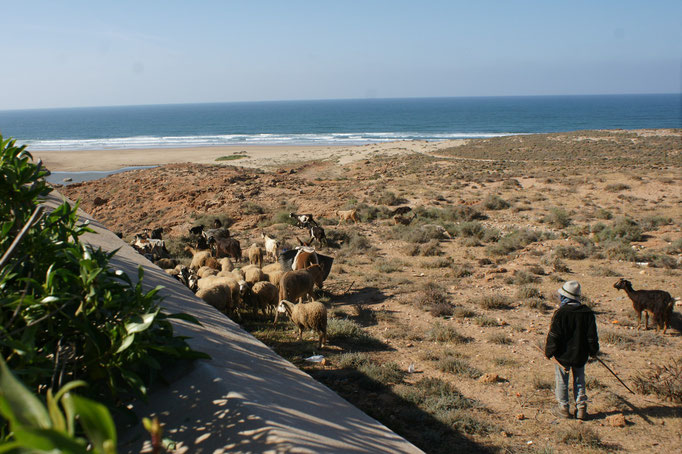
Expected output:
(500, 338)
(252, 208)
(495, 202)
(624, 229)
(482, 320)
(390, 199)
(493, 302)
(459, 367)
(515, 240)
(431, 294)
(64, 308)
(558, 218)
(617, 187)
(654, 222)
(528, 292)
(662, 380)
(442, 310)
(580, 436)
(445, 333)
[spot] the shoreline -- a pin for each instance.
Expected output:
(257, 156)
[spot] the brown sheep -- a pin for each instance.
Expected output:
(226, 264)
(295, 285)
(218, 295)
(261, 296)
(256, 255)
(206, 271)
(232, 283)
(199, 257)
(307, 316)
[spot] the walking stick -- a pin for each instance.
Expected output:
(614, 374)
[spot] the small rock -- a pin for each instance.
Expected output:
(617, 420)
(66, 180)
(520, 416)
(504, 434)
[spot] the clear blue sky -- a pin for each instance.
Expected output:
(85, 53)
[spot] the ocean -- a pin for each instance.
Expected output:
(332, 122)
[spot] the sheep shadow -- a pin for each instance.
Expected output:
(363, 295)
(404, 416)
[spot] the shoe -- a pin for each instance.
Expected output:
(562, 412)
(581, 414)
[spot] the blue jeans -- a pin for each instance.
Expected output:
(561, 386)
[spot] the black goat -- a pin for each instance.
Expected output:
(657, 302)
(156, 233)
(317, 233)
(303, 220)
(196, 230)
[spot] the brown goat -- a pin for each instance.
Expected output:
(227, 247)
(657, 302)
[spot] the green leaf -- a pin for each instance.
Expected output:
(58, 421)
(127, 342)
(48, 440)
(96, 421)
(18, 404)
(68, 387)
(144, 323)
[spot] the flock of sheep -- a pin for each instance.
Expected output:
(280, 287)
(283, 285)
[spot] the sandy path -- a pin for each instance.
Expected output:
(257, 156)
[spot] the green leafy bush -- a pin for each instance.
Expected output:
(64, 313)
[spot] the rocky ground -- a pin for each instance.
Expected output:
(435, 326)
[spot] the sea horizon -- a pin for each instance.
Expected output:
(333, 122)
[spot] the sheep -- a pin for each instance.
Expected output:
(166, 263)
(272, 267)
(660, 303)
(199, 257)
(295, 285)
(226, 247)
(238, 274)
(271, 247)
(218, 295)
(308, 316)
(274, 277)
(232, 283)
(255, 255)
(253, 274)
(260, 296)
(226, 264)
(206, 271)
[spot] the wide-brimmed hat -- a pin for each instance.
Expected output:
(571, 290)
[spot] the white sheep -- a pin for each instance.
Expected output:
(232, 283)
(307, 316)
(226, 264)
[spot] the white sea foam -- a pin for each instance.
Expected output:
(345, 138)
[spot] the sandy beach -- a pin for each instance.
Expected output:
(256, 156)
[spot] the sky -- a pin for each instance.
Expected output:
(84, 53)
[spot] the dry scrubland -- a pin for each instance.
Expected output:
(467, 308)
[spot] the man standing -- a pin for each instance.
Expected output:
(572, 338)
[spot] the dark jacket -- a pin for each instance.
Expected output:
(572, 336)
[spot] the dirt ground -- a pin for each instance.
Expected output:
(435, 326)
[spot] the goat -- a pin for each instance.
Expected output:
(317, 233)
(226, 247)
(303, 220)
(271, 246)
(348, 215)
(658, 302)
(196, 230)
(156, 233)
(401, 210)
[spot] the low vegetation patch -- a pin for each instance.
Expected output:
(445, 333)
(663, 380)
(493, 302)
(231, 157)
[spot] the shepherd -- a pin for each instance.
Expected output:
(572, 338)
